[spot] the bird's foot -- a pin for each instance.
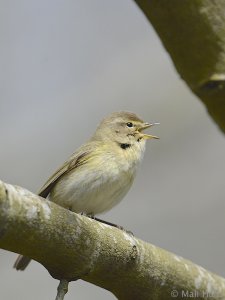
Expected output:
(112, 224)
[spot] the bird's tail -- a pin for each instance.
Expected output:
(21, 262)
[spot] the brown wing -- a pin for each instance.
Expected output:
(73, 162)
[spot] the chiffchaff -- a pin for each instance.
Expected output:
(100, 173)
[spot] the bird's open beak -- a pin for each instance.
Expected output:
(148, 136)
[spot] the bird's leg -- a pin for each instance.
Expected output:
(110, 224)
(107, 223)
(91, 216)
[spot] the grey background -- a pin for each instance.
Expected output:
(66, 64)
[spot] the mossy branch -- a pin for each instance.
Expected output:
(71, 247)
(193, 32)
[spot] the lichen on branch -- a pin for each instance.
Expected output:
(71, 246)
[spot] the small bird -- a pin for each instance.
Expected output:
(99, 174)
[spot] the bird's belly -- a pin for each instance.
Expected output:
(92, 192)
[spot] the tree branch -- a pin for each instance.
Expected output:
(62, 289)
(72, 246)
(193, 32)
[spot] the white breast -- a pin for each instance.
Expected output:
(94, 188)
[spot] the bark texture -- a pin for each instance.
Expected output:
(193, 33)
(72, 247)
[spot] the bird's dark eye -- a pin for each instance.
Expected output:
(129, 124)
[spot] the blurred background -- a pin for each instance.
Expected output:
(64, 66)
